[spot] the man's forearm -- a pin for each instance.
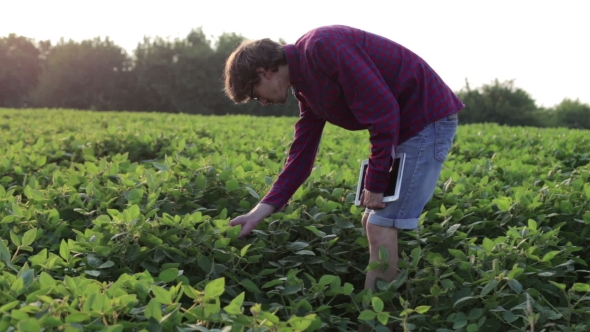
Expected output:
(262, 210)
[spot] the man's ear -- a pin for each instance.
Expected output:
(263, 72)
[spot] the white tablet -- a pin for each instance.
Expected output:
(395, 179)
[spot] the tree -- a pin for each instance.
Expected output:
(573, 114)
(500, 103)
(175, 76)
(94, 74)
(19, 70)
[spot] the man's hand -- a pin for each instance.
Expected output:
(372, 200)
(250, 220)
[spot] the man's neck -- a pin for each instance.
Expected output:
(284, 75)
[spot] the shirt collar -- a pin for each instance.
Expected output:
(293, 63)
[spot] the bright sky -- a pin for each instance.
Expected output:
(542, 45)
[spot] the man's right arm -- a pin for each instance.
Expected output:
(308, 132)
(307, 136)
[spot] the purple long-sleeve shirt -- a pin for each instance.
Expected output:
(357, 80)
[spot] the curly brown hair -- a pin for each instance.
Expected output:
(240, 67)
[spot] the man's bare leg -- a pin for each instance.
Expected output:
(386, 237)
(380, 236)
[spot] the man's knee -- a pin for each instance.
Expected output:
(380, 235)
(364, 221)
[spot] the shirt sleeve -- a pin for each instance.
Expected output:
(368, 97)
(298, 166)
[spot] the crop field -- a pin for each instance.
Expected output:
(119, 222)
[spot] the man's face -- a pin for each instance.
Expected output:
(271, 89)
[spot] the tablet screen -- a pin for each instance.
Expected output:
(392, 191)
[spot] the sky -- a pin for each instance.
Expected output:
(542, 45)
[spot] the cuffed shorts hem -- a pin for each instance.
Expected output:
(408, 224)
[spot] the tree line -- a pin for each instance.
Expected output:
(183, 75)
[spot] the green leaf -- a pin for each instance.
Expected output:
(383, 255)
(475, 314)
(550, 314)
(515, 285)
(301, 323)
(50, 321)
(232, 185)
(106, 265)
(94, 273)
(253, 193)
(251, 286)
(305, 252)
(550, 255)
(489, 287)
(269, 317)
(29, 325)
(201, 181)
(273, 282)
(134, 195)
(9, 306)
(377, 304)
(367, 315)
(15, 239)
(18, 286)
(532, 225)
(383, 317)
(233, 232)
(17, 210)
(503, 203)
(579, 287)
(244, 250)
(515, 273)
(234, 307)
(343, 224)
(463, 299)
(447, 284)
(488, 245)
(435, 259)
(558, 285)
(152, 310)
(326, 279)
(33, 194)
(215, 288)
(64, 250)
(45, 280)
(5, 255)
(509, 316)
(298, 245)
(162, 295)
(422, 309)
(161, 166)
(8, 219)
(168, 275)
(400, 280)
(77, 317)
(292, 289)
(347, 288)
(29, 237)
(460, 321)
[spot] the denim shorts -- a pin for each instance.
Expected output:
(425, 154)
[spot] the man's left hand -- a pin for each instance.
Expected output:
(372, 200)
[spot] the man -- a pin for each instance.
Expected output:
(358, 81)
